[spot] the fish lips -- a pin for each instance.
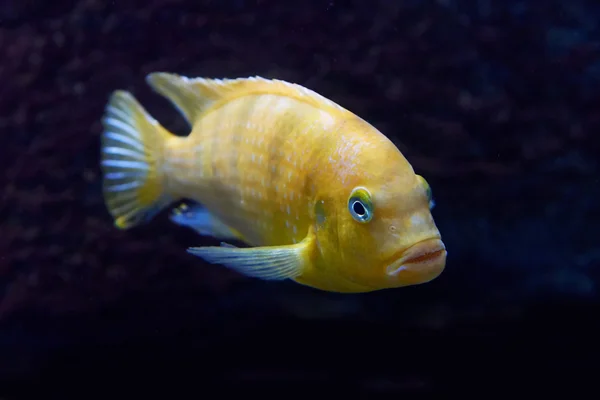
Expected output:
(426, 259)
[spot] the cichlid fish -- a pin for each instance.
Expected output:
(319, 195)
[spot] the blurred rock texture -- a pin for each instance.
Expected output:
(495, 102)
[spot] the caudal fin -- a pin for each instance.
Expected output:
(132, 147)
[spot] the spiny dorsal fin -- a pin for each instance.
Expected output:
(192, 96)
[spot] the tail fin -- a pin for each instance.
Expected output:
(132, 146)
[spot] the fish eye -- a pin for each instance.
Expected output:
(427, 191)
(360, 205)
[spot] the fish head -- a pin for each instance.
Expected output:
(378, 225)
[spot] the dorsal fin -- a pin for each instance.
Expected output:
(192, 96)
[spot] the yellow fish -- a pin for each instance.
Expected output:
(318, 194)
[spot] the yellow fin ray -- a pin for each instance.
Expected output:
(132, 143)
(192, 96)
(268, 263)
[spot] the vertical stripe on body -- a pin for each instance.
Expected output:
(252, 157)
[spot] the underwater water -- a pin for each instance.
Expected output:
(496, 103)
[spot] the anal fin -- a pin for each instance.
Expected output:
(203, 222)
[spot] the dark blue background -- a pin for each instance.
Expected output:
(495, 102)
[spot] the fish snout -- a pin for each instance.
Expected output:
(419, 263)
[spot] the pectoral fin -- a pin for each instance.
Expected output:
(269, 263)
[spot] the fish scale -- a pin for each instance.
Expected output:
(253, 167)
(319, 195)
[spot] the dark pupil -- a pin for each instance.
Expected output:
(358, 208)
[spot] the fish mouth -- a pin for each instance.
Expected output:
(421, 262)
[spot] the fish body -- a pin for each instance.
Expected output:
(319, 195)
